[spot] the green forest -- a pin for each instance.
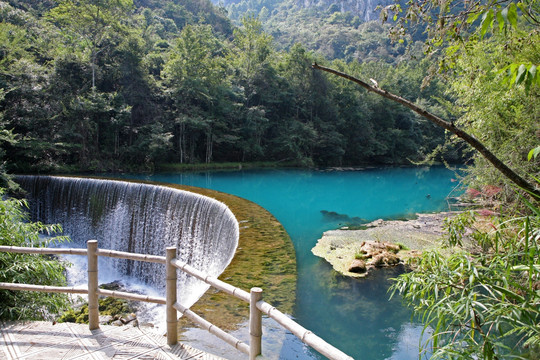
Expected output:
(134, 85)
(121, 85)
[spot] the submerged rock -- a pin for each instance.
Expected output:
(344, 218)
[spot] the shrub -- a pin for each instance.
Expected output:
(483, 303)
(16, 230)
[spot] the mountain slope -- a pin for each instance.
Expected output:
(345, 29)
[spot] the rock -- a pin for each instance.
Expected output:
(116, 285)
(377, 244)
(357, 266)
(385, 259)
(378, 261)
(117, 323)
(392, 247)
(391, 259)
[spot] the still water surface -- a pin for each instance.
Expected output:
(354, 315)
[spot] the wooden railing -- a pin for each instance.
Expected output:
(254, 298)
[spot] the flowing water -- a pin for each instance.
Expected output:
(142, 219)
(354, 315)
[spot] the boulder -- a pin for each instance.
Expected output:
(357, 266)
(392, 247)
(385, 259)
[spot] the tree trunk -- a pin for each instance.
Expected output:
(181, 141)
(93, 66)
(471, 140)
(209, 146)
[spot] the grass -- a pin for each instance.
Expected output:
(402, 246)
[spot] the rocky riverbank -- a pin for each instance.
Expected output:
(383, 243)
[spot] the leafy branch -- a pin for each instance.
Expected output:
(449, 126)
(16, 230)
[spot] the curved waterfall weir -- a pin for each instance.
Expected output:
(139, 218)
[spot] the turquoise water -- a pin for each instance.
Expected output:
(354, 315)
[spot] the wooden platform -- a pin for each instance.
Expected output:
(43, 340)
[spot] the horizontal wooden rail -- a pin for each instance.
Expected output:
(43, 251)
(212, 329)
(210, 280)
(253, 350)
(43, 288)
(131, 256)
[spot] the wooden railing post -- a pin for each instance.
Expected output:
(255, 324)
(172, 315)
(93, 302)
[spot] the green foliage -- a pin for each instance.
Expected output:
(360, 256)
(402, 246)
(454, 24)
(90, 25)
(120, 86)
(16, 230)
(483, 303)
(457, 226)
(504, 119)
(533, 154)
(107, 306)
(322, 27)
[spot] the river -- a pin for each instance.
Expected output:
(354, 315)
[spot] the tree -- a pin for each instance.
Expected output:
(16, 230)
(250, 56)
(196, 75)
(451, 25)
(89, 24)
(504, 118)
(253, 46)
(24, 74)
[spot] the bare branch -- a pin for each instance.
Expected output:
(471, 140)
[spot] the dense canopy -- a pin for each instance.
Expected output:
(119, 85)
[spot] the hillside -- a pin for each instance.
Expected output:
(364, 9)
(346, 29)
(189, 12)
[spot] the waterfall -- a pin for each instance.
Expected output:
(139, 218)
